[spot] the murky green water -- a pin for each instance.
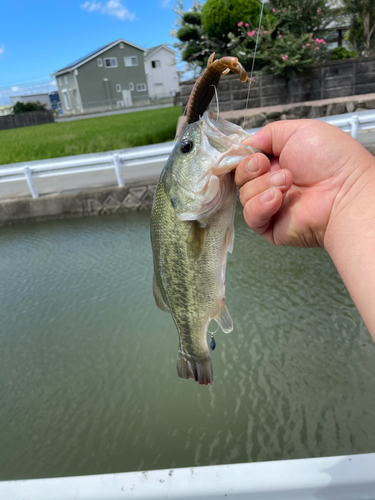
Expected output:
(88, 381)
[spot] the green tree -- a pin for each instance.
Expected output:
(221, 17)
(208, 28)
(362, 29)
(21, 107)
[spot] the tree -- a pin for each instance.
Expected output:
(362, 29)
(206, 29)
(290, 39)
(21, 107)
(220, 17)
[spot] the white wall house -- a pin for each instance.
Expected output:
(161, 72)
(42, 98)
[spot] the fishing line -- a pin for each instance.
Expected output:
(176, 137)
(252, 66)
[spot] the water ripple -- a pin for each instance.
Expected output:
(88, 363)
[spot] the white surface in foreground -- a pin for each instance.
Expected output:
(332, 478)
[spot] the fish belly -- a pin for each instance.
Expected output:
(192, 291)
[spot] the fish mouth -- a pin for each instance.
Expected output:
(221, 133)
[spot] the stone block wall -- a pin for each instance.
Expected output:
(328, 80)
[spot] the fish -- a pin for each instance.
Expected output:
(192, 230)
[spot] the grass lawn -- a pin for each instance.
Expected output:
(91, 135)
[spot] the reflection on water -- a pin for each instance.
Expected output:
(87, 361)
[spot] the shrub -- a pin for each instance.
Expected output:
(21, 107)
(341, 53)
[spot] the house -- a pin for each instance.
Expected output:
(161, 72)
(42, 98)
(6, 110)
(108, 78)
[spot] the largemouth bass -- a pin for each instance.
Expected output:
(192, 231)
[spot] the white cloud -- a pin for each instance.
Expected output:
(2, 48)
(91, 6)
(166, 4)
(112, 8)
(45, 86)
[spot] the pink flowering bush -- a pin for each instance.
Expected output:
(279, 52)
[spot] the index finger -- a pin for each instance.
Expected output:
(272, 138)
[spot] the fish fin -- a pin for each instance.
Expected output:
(229, 239)
(158, 296)
(198, 369)
(196, 240)
(224, 319)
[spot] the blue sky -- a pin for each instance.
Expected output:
(41, 36)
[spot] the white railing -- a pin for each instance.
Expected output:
(330, 478)
(135, 164)
(127, 165)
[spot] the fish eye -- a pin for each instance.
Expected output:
(186, 146)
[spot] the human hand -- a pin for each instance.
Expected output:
(318, 165)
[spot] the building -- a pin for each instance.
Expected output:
(55, 102)
(6, 110)
(42, 98)
(109, 78)
(161, 72)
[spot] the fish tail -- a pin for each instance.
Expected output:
(197, 369)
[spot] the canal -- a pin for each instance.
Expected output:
(87, 361)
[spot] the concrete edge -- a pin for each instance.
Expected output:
(98, 201)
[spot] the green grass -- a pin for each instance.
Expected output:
(91, 135)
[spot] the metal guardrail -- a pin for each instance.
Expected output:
(140, 158)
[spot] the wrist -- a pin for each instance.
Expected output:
(350, 238)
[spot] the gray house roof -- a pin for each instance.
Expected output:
(151, 51)
(93, 54)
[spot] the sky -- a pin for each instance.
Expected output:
(40, 37)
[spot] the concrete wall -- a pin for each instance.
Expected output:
(331, 79)
(99, 201)
(26, 119)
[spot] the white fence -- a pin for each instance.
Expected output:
(129, 165)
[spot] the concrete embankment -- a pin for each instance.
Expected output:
(86, 203)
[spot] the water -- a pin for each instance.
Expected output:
(87, 361)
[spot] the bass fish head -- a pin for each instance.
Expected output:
(194, 174)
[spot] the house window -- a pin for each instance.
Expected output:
(118, 87)
(131, 61)
(141, 87)
(100, 62)
(110, 62)
(131, 86)
(60, 81)
(67, 102)
(155, 64)
(65, 79)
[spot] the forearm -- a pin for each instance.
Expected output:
(350, 242)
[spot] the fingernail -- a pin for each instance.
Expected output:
(278, 179)
(253, 164)
(268, 195)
